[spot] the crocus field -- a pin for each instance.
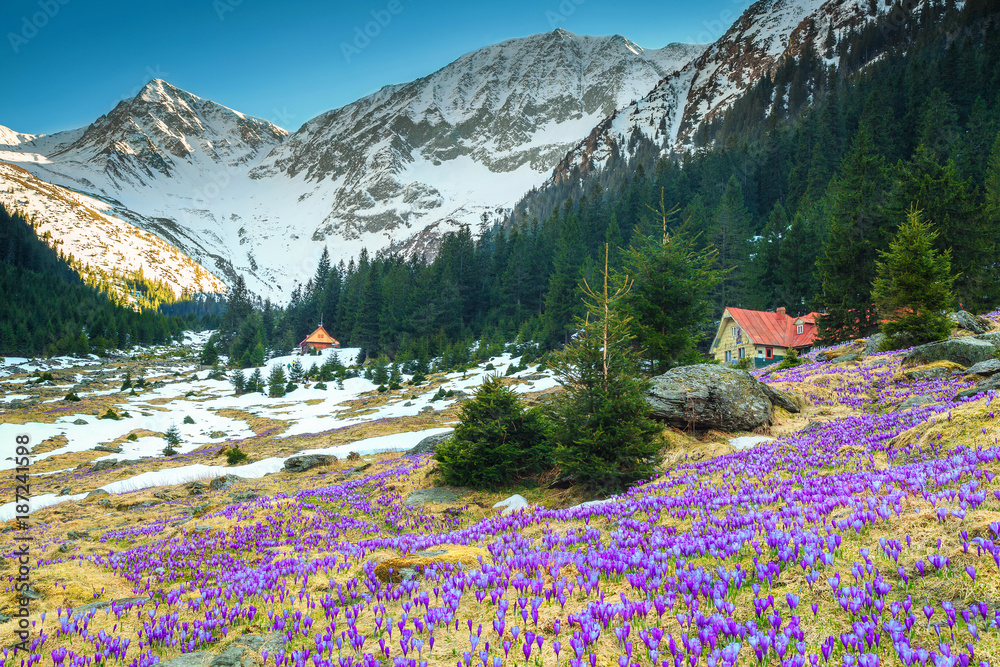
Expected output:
(867, 536)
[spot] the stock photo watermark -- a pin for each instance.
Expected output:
(364, 33)
(32, 24)
(556, 17)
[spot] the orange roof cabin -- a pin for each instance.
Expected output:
(319, 340)
(763, 336)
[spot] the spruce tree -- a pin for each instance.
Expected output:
(497, 441)
(239, 381)
(604, 437)
(670, 299)
(276, 382)
(846, 267)
(913, 289)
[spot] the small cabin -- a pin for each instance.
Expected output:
(763, 336)
(318, 340)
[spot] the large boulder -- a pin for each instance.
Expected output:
(988, 367)
(966, 351)
(307, 462)
(429, 444)
(707, 396)
(969, 322)
(874, 344)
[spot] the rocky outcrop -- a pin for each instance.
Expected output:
(874, 344)
(965, 351)
(707, 396)
(429, 444)
(969, 322)
(308, 462)
(985, 368)
(224, 482)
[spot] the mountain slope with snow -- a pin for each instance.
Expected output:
(768, 32)
(395, 169)
(88, 230)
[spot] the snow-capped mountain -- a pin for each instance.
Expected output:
(394, 169)
(767, 32)
(466, 140)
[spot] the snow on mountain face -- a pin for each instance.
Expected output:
(466, 140)
(768, 31)
(87, 229)
(395, 169)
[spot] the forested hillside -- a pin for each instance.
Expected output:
(48, 309)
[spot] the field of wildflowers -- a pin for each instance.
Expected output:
(869, 537)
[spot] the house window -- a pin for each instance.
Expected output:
(742, 352)
(760, 353)
(733, 331)
(769, 353)
(798, 329)
(729, 356)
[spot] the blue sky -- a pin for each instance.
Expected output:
(63, 63)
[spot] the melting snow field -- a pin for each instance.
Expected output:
(207, 412)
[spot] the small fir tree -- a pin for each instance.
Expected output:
(239, 381)
(496, 442)
(296, 372)
(276, 382)
(173, 438)
(256, 381)
(601, 427)
(913, 287)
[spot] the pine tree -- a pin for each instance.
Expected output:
(913, 289)
(670, 297)
(731, 231)
(497, 441)
(604, 437)
(255, 382)
(276, 382)
(239, 381)
(846, 268)
(173, 438)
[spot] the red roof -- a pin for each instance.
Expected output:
(775, 328)
(320, 336)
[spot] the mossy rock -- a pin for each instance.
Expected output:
(398, 569)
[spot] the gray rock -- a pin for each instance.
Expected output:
(4, 618)
(780, 398)
(308, 462)
(224, 482)
(31, 593)
(915, 401)
(970, 322)
(708, 396)
(436, 495)
(96, 492)
(244, 497)
(80, 422)
(429, 444)
(106, 448)
(515, 503)
(77, 534)
(195, 488)
(989, 384)
(66, 490)
(65, 547)
(967, 351)
(232, 657)
(846, 358)
(988, 367)
(106, 464)
(936, 373)
(195, 659)
(874, 344)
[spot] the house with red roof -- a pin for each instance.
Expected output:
(761, 335)
(318, 340)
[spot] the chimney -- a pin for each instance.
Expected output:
(780, 311)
